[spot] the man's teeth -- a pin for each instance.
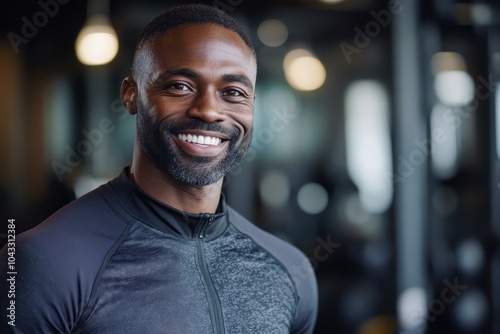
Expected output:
(205, 140)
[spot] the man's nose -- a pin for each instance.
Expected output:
(207, 107)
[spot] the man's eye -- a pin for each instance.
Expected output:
(233, 93)
(178, 86)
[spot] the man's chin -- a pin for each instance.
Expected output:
(197, 180)
(195, 171)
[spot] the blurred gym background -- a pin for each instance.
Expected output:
(376, 144)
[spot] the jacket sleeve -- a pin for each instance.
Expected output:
(56, 264)
(298, 267)
(28, 292)
(307, 307)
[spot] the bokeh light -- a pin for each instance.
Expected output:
(272, 32)
(97, 43)
(303, 71)
(312, 198)
(274, 188)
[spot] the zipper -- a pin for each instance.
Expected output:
(213, 298)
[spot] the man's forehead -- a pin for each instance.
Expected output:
(197, 44)
(200, 33)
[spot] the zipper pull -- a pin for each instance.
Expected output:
(207, 223)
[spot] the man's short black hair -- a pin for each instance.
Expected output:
(186, 14)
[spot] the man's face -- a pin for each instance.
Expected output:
(195, 103)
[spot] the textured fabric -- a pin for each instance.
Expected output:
(249, 279)
(118, 261)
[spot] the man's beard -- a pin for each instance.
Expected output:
(157, 143)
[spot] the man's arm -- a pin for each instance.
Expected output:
(298, 266)
(307, 308)
(56, 265)
(28, 292)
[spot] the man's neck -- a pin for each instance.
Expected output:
(174, 193)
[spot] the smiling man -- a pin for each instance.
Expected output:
(158, 250)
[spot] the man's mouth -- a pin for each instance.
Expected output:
(198, 139)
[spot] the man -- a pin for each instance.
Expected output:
(157, 250)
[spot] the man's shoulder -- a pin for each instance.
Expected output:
(297, 265)
(93, 216)
(76, 238)
(59, 260)
(282, 250)
(91, 205)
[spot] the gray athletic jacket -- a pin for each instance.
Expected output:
(118, 261)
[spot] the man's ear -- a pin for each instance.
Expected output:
(128, 92)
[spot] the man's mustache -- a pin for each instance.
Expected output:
(176, 127)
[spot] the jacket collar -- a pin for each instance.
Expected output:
(165, 218)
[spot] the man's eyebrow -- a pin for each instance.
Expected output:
(238, 78)
(186, 72)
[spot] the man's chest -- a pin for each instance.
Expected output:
(173, 285)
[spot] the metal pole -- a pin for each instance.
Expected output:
(494, 40)
(411, 174)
